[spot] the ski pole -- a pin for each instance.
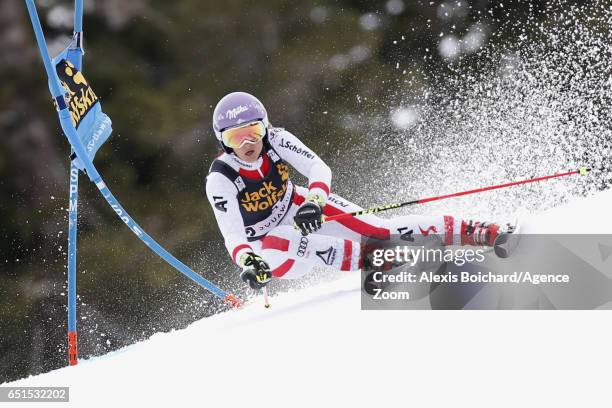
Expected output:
(266, 298)
(581, 171)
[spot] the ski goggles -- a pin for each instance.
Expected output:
(237, 137)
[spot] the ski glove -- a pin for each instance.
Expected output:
(256, 271)
(309, 217)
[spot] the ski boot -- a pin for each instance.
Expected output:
(502, 239)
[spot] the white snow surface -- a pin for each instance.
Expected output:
(316, 347)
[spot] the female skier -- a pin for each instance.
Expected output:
(274, 228)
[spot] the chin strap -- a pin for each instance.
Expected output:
(226, 149)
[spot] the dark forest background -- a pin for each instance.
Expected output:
(159, 67)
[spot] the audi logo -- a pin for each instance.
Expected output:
(303, 245)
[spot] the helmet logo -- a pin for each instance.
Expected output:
(233, 113)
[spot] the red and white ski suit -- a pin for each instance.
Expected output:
(254, 204)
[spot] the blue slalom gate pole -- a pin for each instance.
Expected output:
(78, 18)
(91, 171)
(73, 199)
(72, 268)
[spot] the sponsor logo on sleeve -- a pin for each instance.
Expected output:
(220, 203)
(286, 144)
(335, 200)
(328, 256)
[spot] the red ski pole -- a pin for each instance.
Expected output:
(581, 171)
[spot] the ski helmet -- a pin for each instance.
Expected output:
(235, 109)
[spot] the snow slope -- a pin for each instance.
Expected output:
(316, 347)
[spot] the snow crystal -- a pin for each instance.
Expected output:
(449, 47)
(318, 14)
(339, 62)
(474, 39)
(60, 17)
(369, 21)
(404, 118)
(359, 53)
(395, 7)
(533, 107)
